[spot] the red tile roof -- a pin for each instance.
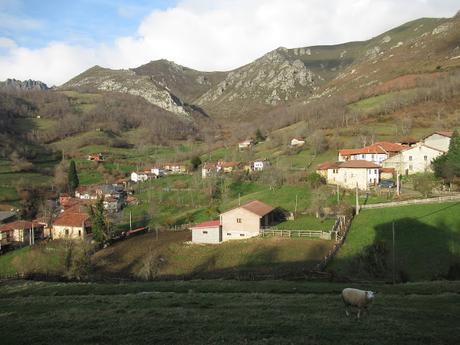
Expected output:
(258, 207)
(19, 224)
(379, 147)
(207, 224)
(327, 165)
(68, 218)
(359, 164)
(228, 164)
(387, 170)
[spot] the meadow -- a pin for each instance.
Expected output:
(222, 312)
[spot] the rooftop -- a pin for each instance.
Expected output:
(69, 218)
(258, 207)
(208, 224)
(358, 164)
(19, 224)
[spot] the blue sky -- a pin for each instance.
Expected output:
(75, 22)
(54, 40)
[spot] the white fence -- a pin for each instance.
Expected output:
(412, 202)
(295, 233)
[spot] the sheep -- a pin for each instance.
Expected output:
(357, 298)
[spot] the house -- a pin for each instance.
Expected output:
(158, 172)
(407, 141)
(387, 173)
(227, 167)
(247, 144)
(375, 153)
(21, 232)
(297, 142)
(352, 173)
(413, 160)
(326, 168)
(85, 193)
(175, 168)
(96, 157)
(71, 224)
(207, 232)
(439, 140)
(112, 204)
(208, 169)
(140, 176)
(246, 221)
(260, 165)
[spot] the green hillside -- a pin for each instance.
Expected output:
(427, 244)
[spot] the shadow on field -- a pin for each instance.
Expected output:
(421, 252)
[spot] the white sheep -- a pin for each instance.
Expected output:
(357, 298)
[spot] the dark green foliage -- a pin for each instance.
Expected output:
(30, 200)
(99, 224)
(259, 136)
(447, 166)
(195, 162)
(74, 182)
(315, 180)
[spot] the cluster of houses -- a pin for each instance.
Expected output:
(71, 220)
(210, 169)
(159, 171)
(365, 167)
(239, 223)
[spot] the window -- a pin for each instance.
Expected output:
(372, 156)
(411, 167)
(375, 171)
(238, 220)
(229, 234)
(242, 235)
(66, 232)
(410, 158)
(205, 232)
(363, 156)
(79, 233)
(425, 158)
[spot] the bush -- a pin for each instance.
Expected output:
(315, 180)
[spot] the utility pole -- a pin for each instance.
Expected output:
(239, 199)
(397, 184)
(357, 199)
(130, 220)
(338, 194)
(296, 201)
(394, 254)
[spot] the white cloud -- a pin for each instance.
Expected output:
(223, 34)
(7, 43)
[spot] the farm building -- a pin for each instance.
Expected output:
(21, 232)
(439, 140)
(260, 165)
(297, 142)
(246, 221)
(71, 224)
(207, 232)
(375, 153)
(141, 176)
(413, 160)
(247, 144)
(352, 173)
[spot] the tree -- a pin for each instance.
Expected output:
(447, 166)
(99, 224)
(315, 180)
(73, 180)
(259, 136)
(319, 200)
(61, 177)
(319, 142)
(196, 162)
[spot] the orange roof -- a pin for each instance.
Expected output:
(228, 164)
(358, 164)
(387, 170)
(327, 165)
(379, 147)
(208, 224)
(258, 207)
(71, 219)
(19, 224)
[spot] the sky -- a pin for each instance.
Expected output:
(55, 40)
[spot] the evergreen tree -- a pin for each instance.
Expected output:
(99, 225)
(74, 182)
(196, 162)
(259, 136)
(448, 166)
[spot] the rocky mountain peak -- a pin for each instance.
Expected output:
(26, 85)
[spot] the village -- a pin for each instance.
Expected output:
(381, 164)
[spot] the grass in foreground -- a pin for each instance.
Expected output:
(223, 312)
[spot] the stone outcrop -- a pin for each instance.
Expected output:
(26, 85)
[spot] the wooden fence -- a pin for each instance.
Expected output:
(295, 233)
(437, 200)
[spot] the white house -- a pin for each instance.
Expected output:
(439, 140)
(260, 165)
(208, 169)
(375, 153)
(140, 176)
(71, 225)
(354, 172)
(245, 221)
(297, 142)
(413, 160)
(158, 172)
(245, 144)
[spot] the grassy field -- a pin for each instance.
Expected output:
(223, 312)
(427, 242)
(172, 256)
